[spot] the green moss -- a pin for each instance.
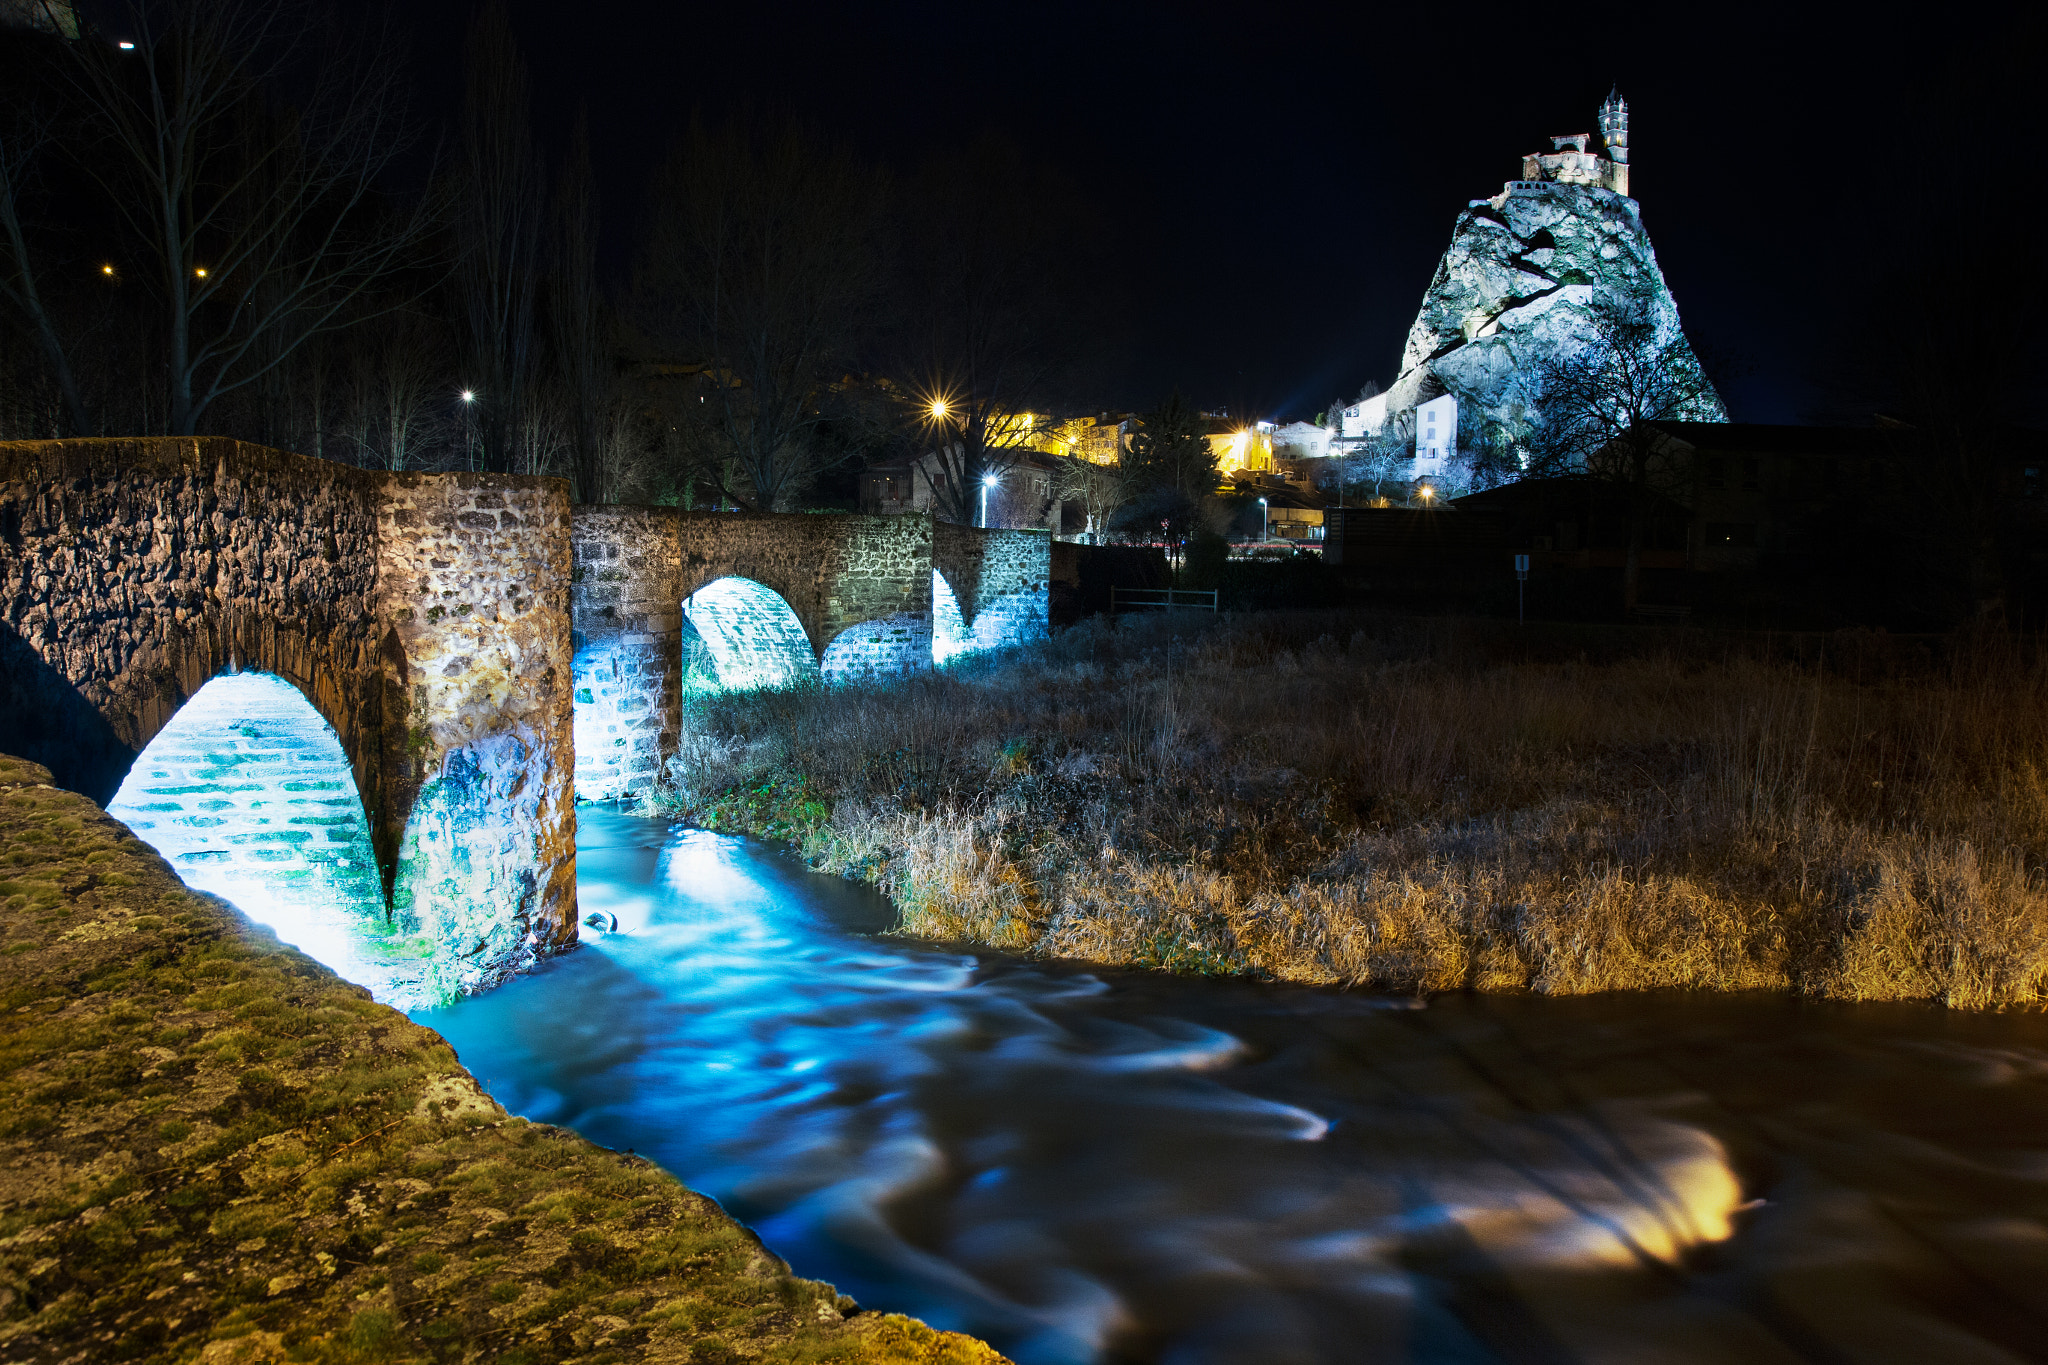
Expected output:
(298, 1192)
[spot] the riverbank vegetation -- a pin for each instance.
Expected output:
(1418, 805)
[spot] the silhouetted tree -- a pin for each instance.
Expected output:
(1597, 402)
(580, 324)
(762, 264)
(27, 136)
(261, 227)
(500, 216)
(986, 278)
(1171, 468)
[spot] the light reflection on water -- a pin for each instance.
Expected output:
(1094, 1166)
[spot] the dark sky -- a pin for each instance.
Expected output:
(1273, 185)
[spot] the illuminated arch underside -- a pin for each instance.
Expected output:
(754, 638)
(248, 794)
(949, 628)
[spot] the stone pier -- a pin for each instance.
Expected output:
(483, 656)
(424, 617)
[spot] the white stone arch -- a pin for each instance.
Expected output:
(247, 792)
(950, 636)
(754, 636)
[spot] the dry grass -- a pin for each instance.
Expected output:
(1432, 806)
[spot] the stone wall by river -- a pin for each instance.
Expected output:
(213, 1148)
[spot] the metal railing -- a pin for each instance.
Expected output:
(1159, 599)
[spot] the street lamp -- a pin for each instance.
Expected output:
(1425, 493)
(988, 481)
(938, 409)
(1265, 520)
(469, 428)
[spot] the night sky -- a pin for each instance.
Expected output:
(1270, 187)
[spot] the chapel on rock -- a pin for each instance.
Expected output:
(1571, 162)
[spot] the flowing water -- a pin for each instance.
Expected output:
(1085, 1165)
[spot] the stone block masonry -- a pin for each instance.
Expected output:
(626, 602)
(424, 617)
(773, 600)
(1000, 581)
(481, 654)
(473, 578)
(217, 1151)
(131, 572)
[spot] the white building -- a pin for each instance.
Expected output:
(1302, 441)
(1436, 435)
(1363, 418)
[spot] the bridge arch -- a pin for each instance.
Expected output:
(422, 617)
(247, 793)
(950, 636)
(753, 635)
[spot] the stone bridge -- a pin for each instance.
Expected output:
(665, 601)
(470, 642)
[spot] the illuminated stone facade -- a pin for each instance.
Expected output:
(424, 617)
(1000, 582)
(473, 579)
(772, 600)
(425, 623)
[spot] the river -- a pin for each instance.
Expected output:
(1086, 1165)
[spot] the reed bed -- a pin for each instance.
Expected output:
(1429, 806)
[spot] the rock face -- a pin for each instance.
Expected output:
(1523, 274)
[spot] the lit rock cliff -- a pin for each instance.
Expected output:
(1524, 275)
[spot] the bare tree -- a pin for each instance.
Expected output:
(1101, 489)
(1384, 458)
(1597, 404)
(500, 216)
(578, 325)
(763, 264)
(263, 227)
(397, 408)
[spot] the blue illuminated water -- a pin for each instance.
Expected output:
(1089, 1166)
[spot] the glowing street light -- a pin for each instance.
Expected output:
(468, 428)
(107, 270)
(988, 481)
(125, 46)
(1265, 520)
(200, 272)
(1425, 493)
(939, 409)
